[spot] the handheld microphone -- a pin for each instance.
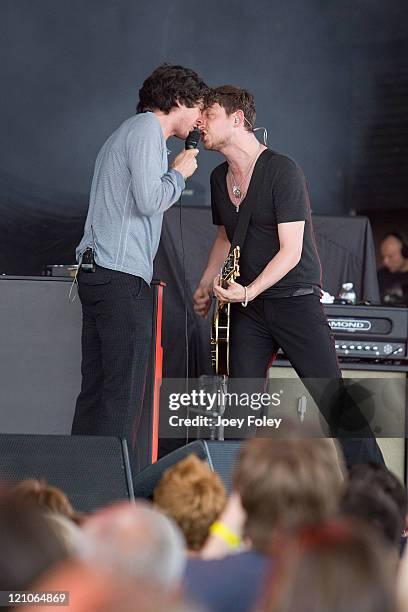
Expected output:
(192, 139)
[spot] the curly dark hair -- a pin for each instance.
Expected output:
(232, 99)
(169, 84)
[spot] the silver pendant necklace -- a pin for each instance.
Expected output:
(237, 193)
(237, 188)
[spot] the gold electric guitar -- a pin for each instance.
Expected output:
(221, 318)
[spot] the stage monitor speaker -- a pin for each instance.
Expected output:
(393, 448)
(92, 471)
(220, 456)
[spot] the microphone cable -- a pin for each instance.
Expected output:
(184, 273)
(191, 142)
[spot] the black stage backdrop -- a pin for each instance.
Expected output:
(38, 226)
(330, 81)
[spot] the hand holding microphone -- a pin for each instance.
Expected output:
(186, 162)
(193, 139)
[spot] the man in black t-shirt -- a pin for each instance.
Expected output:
(276, 302)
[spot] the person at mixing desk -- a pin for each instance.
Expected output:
(393, 276)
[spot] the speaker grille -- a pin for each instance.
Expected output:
(220, 456)
(91, 470)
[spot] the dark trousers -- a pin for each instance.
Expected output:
(299, 326)
(116, 342)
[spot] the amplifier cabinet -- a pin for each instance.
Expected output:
(369, 332)
(299, 407)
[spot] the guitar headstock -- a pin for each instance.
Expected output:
(230, 269)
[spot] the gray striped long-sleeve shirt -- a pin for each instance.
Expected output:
(131, 189)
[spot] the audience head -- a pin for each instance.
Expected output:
(29, 546)
(46, 497)
(193, 496)
(92, 590)
(134, 540)
(374, 474)
(66, 531)
(332, 567)
(376, 497)
(286, 483)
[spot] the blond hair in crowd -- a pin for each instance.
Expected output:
(193, 496)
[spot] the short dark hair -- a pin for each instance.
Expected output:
(377, 509)
(29, 547)
(401, 239)
(374, 474)
(374, 495)
(232, 99)
(396, 235)
(169, 84)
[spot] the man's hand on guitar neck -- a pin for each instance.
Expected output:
(203, 294)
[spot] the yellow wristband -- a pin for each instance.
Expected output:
(227, 535)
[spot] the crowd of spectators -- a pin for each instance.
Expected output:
(298, 533)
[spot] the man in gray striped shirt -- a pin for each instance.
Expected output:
(131, 189)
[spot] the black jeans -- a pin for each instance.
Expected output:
(116, 344)
(299, 326)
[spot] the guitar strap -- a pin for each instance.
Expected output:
(246, 209)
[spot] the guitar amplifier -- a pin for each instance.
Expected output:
(369, 332)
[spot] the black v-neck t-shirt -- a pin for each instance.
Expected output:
(279, 186)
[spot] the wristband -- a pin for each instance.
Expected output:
(225, 534)
(245, 303)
